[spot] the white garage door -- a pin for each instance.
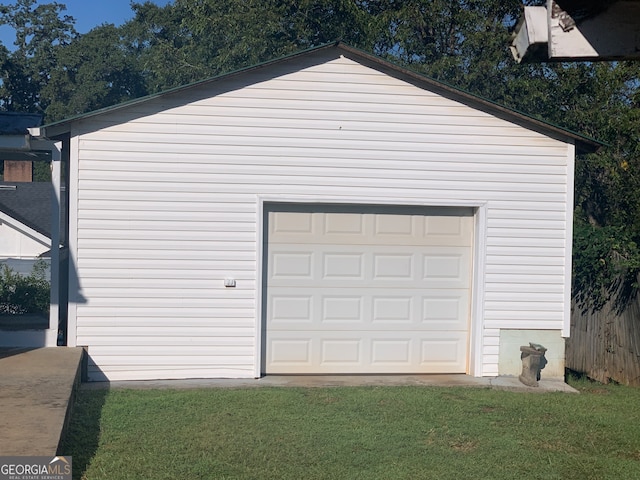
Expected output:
(367, 289)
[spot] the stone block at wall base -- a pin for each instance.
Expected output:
(510, 362)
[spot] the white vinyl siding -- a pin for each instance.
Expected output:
(18, 241)
(168, 206)
(21, 246)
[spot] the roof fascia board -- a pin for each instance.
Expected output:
(25, 147)
(13, 143)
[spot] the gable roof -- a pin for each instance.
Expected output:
(29, 203)
(583, 143)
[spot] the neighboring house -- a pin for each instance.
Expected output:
(25, 224)
(327, 212)
(28, 225)
(25, 207)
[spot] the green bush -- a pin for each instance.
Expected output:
(20, 294)
(606, 265)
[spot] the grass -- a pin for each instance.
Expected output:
(356, 433)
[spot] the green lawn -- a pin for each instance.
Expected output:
(356, 433)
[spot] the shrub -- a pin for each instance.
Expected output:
(20, 294)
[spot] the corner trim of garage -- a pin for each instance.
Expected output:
(477, 291)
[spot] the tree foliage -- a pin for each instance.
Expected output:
(54, 70)
(94, 71)
(40, 31)
(23, 294)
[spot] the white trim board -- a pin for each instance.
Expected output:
(475, 356)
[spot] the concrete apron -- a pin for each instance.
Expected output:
(36, 392)
(305, 381)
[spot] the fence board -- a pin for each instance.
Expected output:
(605, 345)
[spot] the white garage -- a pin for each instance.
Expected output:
(368, 289)
(327, 212)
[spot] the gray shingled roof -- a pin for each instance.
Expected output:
(29, 203)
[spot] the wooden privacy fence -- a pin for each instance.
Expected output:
(605, 345)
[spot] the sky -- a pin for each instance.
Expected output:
(88, 14)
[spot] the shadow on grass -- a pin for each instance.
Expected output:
(83, 435)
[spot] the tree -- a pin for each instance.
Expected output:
(40, 32)
(25, 294)
(607, 214)
(187, 41)
(94, 71)
(463, 43)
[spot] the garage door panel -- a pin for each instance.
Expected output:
(347, 266)
(291, 310)
(396, 266)
(289, 265)
(290, 353)
(389, 352)
(288, 223)
(400, 225)
(396, 352)
(446, 310)
(444, 353)
(453, 228)
(392, 310)
(310, 308)
(449, 230)
(352, 224)
(342, 265)
(381, 292)
(342, 352)
(338, 309)
(446, 269)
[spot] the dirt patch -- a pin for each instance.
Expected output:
(464, 446)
